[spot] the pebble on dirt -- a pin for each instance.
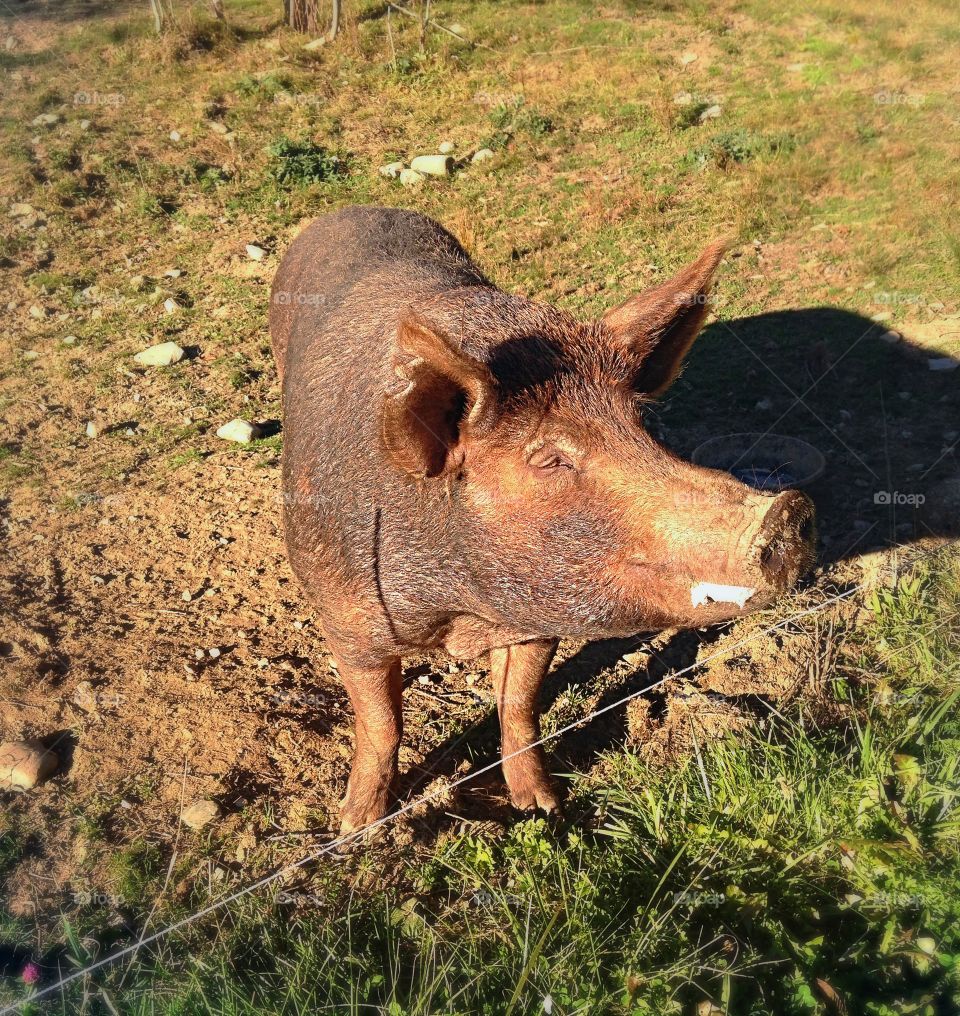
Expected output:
(943, 363)
(200, 813)
(238, 430)
(445, 148)
(25, 764)
(710, 113)
(45, 120)
(255, 253)
(482, 155)
(164, 354)
(432, 165)
(170, 305)
(92, 430)
(391, 170)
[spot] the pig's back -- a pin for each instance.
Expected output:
(335, 305)
(359, 261)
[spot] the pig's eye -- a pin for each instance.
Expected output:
(550, 458)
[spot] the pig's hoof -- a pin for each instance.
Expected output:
(355, 820)
(535, 795)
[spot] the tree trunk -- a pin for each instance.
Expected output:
(302, 15)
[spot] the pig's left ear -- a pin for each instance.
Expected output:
(658, 327)
(442, 394)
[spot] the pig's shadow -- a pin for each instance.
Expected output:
(887, 425)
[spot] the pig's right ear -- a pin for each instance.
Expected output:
(442, 393)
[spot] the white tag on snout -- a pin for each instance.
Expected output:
(707, 592)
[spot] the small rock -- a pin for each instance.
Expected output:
(200, 813)
(69, 340)
(173, 273)
(20, 209)
(214, 653)
(174, 135)
(688, 58)
(25, 764)
(45, 120)
(218, 128)
(186, 596)
(391, 170)
(255, 253)
(37, 312)
(31, 354)
(170, 305)
(682, 99)
(445, 147)
(84, 125)
(763, 405)
(411, 178)
(884, 315)
(315, 44)
(92, 430)
(432, 165)
(164, 354)
(891, 337)
(710, 113)
(943, 363)
(238, 430)
(482, 155)
(85, 697)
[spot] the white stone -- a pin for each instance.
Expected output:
(482, 155)
(391, 170)
(891, 337)
(255, 253)
(174, 135)
(20, 209)
(943, 363)
(411, 178)
(92, 430)
(25, 764)
(200, 813)
(688, 58)
(432, 165)
(315, 44)
(164, 354)
(69, 340)
(170, 305)
(710, 113)
(45, 120)
(445, 147)
(238, 430)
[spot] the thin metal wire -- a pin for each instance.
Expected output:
(410, 806)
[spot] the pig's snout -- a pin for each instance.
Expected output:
(784, 546)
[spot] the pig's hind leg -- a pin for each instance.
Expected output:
(375, 694)
(517, 672)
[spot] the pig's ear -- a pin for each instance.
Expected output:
(441, 393)
(658, 327)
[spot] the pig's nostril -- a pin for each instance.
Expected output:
(771, 562)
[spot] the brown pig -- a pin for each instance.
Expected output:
(467, 469)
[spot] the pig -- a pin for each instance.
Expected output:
(468, 470)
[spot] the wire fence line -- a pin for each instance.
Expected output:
(430, 795)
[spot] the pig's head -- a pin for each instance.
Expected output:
(566, 515)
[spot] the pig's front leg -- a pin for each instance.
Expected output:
(375, 695)
(518, 671)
